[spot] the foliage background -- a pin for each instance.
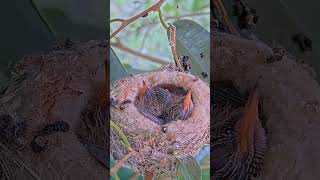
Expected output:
(147, 35)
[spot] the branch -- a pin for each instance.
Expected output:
(119, 164)
(120, 46)
(173, 46)
(126, 22)
(222, 12)
(187, 15)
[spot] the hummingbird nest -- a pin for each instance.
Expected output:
(159, 144)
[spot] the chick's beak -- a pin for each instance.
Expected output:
(187, 102)
(248, 121)
(143, 90)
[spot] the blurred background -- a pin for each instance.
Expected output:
(34, 26)
(147, 35)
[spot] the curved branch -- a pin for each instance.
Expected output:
(120, 46)
(221, 10)
(126, 22)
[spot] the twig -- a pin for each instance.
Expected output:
(173, 46)
(119, 164)
(119, 45)
(187, 15)
(221, 10)
(153, 23)
(126, 22)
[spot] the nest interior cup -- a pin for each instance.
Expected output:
(156, 148)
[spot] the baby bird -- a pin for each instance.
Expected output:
(164, 103)
(180, 108)
(239, 142)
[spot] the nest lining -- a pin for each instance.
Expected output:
(158, 148)
(164, 103)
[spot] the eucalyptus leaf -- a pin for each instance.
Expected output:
(189, 167)
(117, 71)
(194, 41)
(78, 20)
(132, 70)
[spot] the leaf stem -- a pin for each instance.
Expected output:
(116, 176)
(42, 17)
(121, 134)
(162, 20)
(116, 20)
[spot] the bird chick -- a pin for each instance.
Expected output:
(147, 103)
(238, 141)
(181, 108)
(164, 103)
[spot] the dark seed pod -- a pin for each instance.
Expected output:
(201, 55)
(55, 127)
(204, 74)
(39, 144)
(113, 101)
(164, 129)
(63, 126)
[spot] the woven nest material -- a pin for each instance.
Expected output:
(157, 149)
(289, 96)
(52, 87)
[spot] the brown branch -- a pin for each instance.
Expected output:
(119, 164)
(120, 46)
(126, 22)
(222, 12)
(186, 15)
(173, 46)
(153, 23)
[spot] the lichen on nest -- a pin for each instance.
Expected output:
(158, 148)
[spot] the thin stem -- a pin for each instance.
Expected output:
(173, 46)
(121, 134)
(120, 46)
(222, 12)
(116, 20)
(119, 164)
(34, 4)
(162, 21)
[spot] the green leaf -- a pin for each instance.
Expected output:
(196, 5)
(78, 20)
(123, 173)
(117, 71)
(189, 167)
(132, 70)
(205, 174)
(194, 41)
